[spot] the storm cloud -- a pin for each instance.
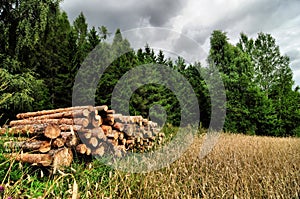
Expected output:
(196, 20)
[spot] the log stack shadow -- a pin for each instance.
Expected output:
(53, 137)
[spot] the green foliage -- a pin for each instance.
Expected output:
(41, 53)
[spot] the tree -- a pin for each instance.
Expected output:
(273, 76)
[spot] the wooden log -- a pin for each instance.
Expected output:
(96, 121)
(112, 141)
(52, 131)
(62, 158)
(69, 121)
(108, 119)
(98, 133)
(39, 159)
(26, 145)
(110, 112)
(106, 129)
(101, 108)
(118, 126)
(88, 151)
(65, 127)
(114, 135)
(99, 151)
(93, 142)
(68, 114)
(45, 148)
(24, 129)
(46, 112)
(81, 148)
(129, 129)
(128, 142)
(87, 134)
(58, 142)
(121, 135)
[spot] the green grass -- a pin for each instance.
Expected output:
(239, 166)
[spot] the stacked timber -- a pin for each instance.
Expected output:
(50, 137)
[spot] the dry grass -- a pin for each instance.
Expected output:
(238, 167)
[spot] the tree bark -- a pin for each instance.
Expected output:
(47, 112)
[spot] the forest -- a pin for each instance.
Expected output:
(41, 52)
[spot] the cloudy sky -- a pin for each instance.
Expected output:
(179, 24)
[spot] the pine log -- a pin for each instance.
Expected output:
(65, 127)
(62, 158)
(128, 142)
(101, 108)
(121, 135)
(113, 135)
(45, 148)
(81, 148)
(58, 142)
(108, 119)
(26, 145)
(69, 121)
(118, 126)
(96, 121)
(98, 133)
(88, 151)
(52, 131)
(93, 142)
(68, 114)
(128, 129)
(39, 159)
(24, 129)
(106, 129)
(112, 141)
(46, 112)
(99, 151)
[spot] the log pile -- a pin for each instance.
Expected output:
(50, 137)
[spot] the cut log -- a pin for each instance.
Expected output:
(118, 126)
(24, 129)
(121, 135)
(113, 135)
(101, 108)
(52, 131)
(128, 142)
(58, 143)
(45, 148)
(81, 148)
(129, 129)
(69, 121)
(96, 121)
(65, 127)
(62, 158)
(93, 142)
(68, 114)
(98, 133)
(99, 151)
(47, 112)
(108, 119)
(39, 159)
(110, 112)
(106, 129)
(26, 145)
(88, 151)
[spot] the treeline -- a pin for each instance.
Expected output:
(41, 53)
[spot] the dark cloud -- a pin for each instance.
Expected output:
(196, 20)
(124, 14)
